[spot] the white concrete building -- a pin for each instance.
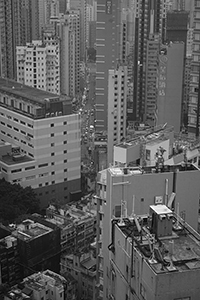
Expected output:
(38, 65)
(117, 93)
(43, 137)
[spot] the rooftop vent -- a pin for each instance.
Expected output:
(161, 220)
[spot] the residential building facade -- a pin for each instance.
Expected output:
(150, 17)
(38, 65)
(68, 29)
(111, 46)
(19, 25)
(81, 6)
(193, 109)
(117, 94)
(83, 268)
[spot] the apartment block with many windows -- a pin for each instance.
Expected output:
(42, 137)
(38, 65)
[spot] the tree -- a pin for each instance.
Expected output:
(16, 201)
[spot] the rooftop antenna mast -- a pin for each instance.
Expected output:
(177, 225)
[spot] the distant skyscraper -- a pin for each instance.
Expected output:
(111, 46)
(46, 10)
(18, 24)
(117, 93)
(81, 5)
(170, 83)
(68, 28)
(194, 101)
(153, 47)
(150, 17)
(182, 4)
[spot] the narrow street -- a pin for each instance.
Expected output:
(87, 124)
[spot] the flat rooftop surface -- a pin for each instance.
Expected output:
(26, 91)
(172, 253)
(35, 230)
(18, 89)
(120, 171)
(8, 159)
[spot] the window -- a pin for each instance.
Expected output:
(29, 168)
(65, 123)
(65, 151)
(52, 125)
(52, 134)
(16, 170)
(183, 298)
(52, 163)
(65, 170)
(65, 132)
(117, 211)
(65, 161)
(52, 154)
(53, 173)
(43, 165)
(148, 154)
(52, 144)
(53, 182)
(65, 142)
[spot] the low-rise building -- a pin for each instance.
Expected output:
(9, 259)
(142, 149)
(38, 246)
(78, 227)
(83, 268)
(43, 285)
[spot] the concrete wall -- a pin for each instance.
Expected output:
(187, 195)
(170, 86)
(146, 186)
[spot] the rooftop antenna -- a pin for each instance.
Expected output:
(133, 207)
(122, 212)
(176, 225)
(151, 240)
(171, 251)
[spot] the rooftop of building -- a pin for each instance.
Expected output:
(8, 242)
(175, 248)
(36, 95)
(29, 230)
(38, 281)
(67, 215)
(17, 294)
(15, 159)
(119, 171)
(149, 136)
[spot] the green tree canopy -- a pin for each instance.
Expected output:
(16, 201)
